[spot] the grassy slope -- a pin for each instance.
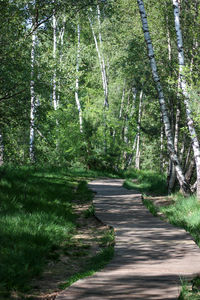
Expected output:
(36, 218)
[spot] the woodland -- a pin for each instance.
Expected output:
(101, 85)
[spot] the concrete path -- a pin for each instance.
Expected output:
(150, 255)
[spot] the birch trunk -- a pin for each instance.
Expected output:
(55, 104)
(102, 57)
(61, 42)
(33, 99)
(78, 104)
(101, 63)
(122, 101)
(168, 132)
(137, 156)
(161, 148)
(176, 137)
(183, 87)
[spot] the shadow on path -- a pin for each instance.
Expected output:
(150, 255)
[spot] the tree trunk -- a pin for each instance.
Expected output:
(137, 156)
(122, 100)
(168, 132)
(55, 104)
(33, 100)
(161, 148)
(183, 87)
(78, 104)
(101, 62)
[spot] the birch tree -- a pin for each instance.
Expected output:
(168, 131)
(33, 98)
(78, 104)
(99, 49)
(55, 104)
(137, 156)
(183, 87)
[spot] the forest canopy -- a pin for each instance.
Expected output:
(102, 85)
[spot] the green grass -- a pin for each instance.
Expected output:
(185, 213)
(93, 265)
(108, 238)
(151, 207)
(36, 216)
(146, 182)
(37, 219)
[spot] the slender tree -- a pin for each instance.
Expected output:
(78, 104)
(33, 96)
(168, 132)
(183, 87)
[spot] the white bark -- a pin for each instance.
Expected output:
(122, 100)
(183, 86)
(168, 132)
(55, 104)
(161, 148)
(137, 156)
(176, 137)
(101, 61)
(33, 99)
(61, 43)
(78, 104)
(102, 57)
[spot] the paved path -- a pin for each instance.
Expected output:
(150, 255)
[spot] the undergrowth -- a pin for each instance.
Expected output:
(36, 217)
(146, 182)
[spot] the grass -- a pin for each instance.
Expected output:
(95, 264)
(184, 213)
(151, 207)
(146, 182)
(36, 218)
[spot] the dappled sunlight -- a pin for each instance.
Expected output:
(150, 255)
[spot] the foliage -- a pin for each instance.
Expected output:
(36, 217)
(146, 182)
(185, 212)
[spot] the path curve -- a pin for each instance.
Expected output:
(150, 255)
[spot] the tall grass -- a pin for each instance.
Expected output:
(37, 219)
(146, 181)
(185, 213)
(36, 216)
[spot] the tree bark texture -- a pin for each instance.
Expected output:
(33, 99)
(168, 131)
(78, 104)
(183, 87)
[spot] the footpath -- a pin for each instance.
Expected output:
(151, 256)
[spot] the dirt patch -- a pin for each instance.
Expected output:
(70, 259)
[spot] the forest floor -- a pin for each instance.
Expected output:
(89, 239)
(49, 234)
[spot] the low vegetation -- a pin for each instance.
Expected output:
(146, 182)
(40, 215)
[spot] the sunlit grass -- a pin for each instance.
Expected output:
(37, 219)
(184, 212)
(146, 182)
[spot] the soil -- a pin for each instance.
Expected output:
(70, 260)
